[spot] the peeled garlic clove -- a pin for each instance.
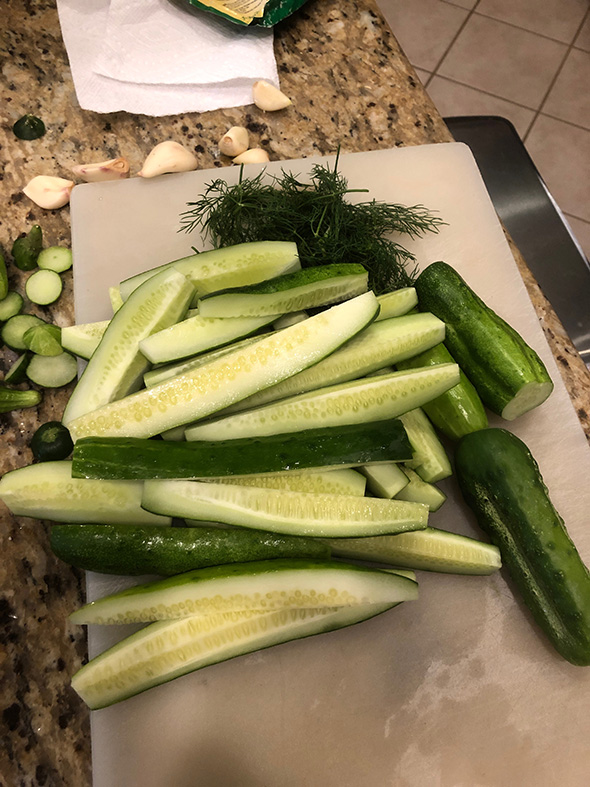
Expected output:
(252, 156)
(234, 141)
(113, 169)
(168, 157)
(49, 192)
(268, 97)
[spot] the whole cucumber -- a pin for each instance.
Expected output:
(501, 482)
(132, 550)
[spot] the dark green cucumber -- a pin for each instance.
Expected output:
(500, 481)
(136, 458)
(51, 442)
(459, 410)
(26, 250)
(11, 399)
(132, 551)
(508, 374)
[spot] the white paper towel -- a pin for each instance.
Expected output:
(115, 48)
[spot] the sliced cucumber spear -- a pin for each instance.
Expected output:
(267, 585)
(291, 292)
(83, 339)
(280, 511)
(166, 650)
(327, 482)
(231, 377)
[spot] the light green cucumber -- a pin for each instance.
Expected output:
(43, 287)
(166, 650)
(282, 511)
(115, 299)
(419, 491)
(14, 329)
(48, 491)
(117, 366)
(260, 585)
(196, 335)
(203, 391)
(430, 458)
(53, 371)
(232, 266)
(427, 550)
(10, 305)
(370, 399)
(397, 302)
(379, 345)
(304, 289)
(83, 339)
(290, 319)
(43, 339)
(385, 480)
(55, 258)
(329, 482)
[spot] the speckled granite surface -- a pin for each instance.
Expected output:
(351, 86)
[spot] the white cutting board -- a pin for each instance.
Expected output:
(457, 689)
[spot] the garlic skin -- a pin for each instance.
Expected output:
(234, 141)
(268, 97)
(49, 192)
(113, 169)
(168, 156)
(252, 156)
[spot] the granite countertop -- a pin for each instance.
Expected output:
(351, 87)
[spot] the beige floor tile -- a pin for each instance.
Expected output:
(583, 38)
(423, 75)
(463, 3)
(581, 230)
(557, 19)
(424, 28)
(504, 60)
(569, 98)
(452, 98)
(561, 153)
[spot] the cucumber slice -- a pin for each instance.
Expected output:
(419, 491)
(427, 550)
(359, 401)
(55, 258)
(304, 289)
(51, 442)
(430, 460)
(131, 550)
(379, 345)
(43, 287)
(48, 491)
(290, 319)
(129, 458)
(328, 482)
(18, 371)
(397, 303)
(52, 372)
(3, 278)
(116, 367)
(385, 480)
(232, 266)
(261, 585)
(43, 339)
(10, 306)
(281, 511)
(196, 335)
(83, 339)
(14, 329)
(234, 376)
(115, 299)
(11, 399)
(160, 652)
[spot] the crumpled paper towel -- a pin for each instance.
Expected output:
(148, 57)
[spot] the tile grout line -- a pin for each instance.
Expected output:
(526, 29)
(450, 46)
(578, 218)
(556, 76)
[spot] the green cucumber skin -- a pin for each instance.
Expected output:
(137, 458)
(500, 481)
(12, 399)
(495, 358)
(458, 411)
(133, 551)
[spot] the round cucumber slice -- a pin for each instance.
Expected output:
(54, 371)
(43, 287)
(13, 331)
(55, 258)
(10, 306)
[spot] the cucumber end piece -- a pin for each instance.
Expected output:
(530, 396)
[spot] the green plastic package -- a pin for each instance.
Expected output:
(264, 13)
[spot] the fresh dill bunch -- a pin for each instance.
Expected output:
(316, 215)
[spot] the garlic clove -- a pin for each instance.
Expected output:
(113, 169)
(49, 192)
(168, 156)
(268, 97)
(234, 141)
(252, 156)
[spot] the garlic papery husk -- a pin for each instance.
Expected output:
(252, 156)
(234, 141)
(268, 97)
(168, 156)
(113, 169)
(49, 192)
